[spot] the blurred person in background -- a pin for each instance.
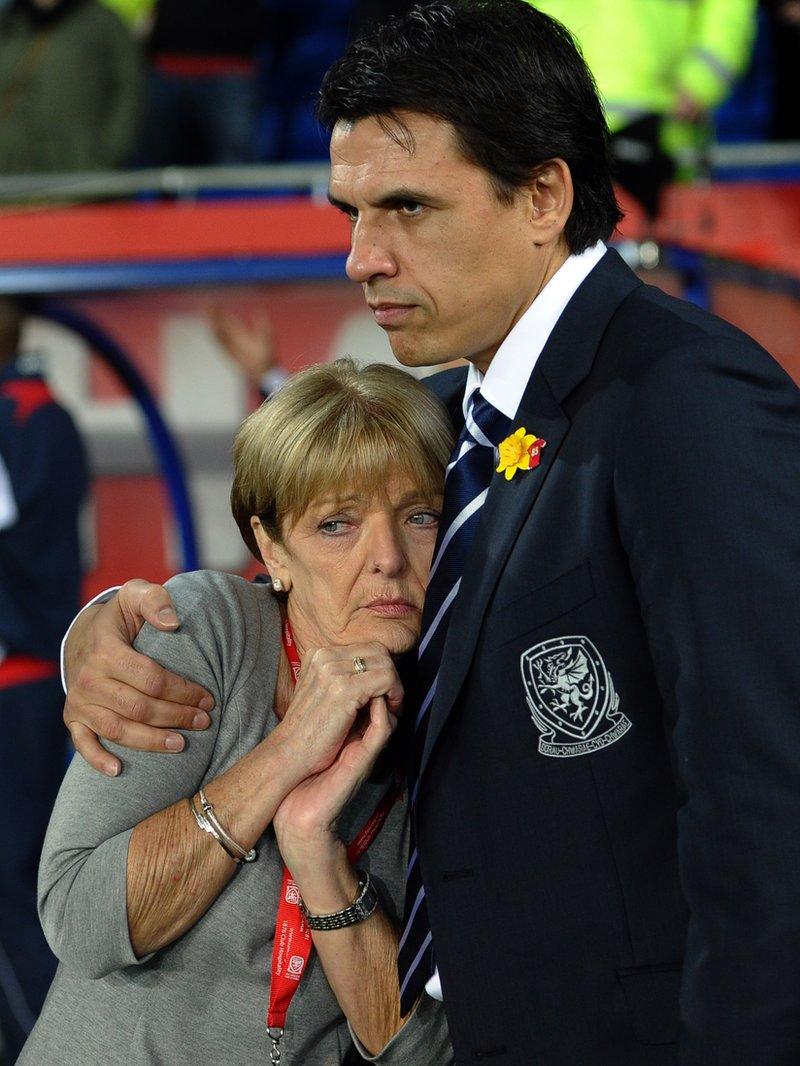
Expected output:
(661, 68)
(70, 87)
(137, 14)
(251, 347)
(784, 20)
(203, 92)
(43, 478)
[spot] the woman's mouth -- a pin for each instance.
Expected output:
(392, 608)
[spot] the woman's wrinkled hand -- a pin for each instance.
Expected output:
(343, 720)
(327, 700)
(305, 822)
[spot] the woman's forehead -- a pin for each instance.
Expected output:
(393, 486)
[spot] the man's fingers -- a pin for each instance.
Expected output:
(108, 725)
(90, 749)
(131, 703)
(155, 684)
(140, 600)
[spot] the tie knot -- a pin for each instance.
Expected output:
(492, 424)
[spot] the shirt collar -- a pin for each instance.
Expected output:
(510, 369)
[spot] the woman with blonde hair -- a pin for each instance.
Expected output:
(185, 897)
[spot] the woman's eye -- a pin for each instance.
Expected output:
(333, 525)
(424, 518)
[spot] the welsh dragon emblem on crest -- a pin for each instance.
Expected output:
(571, 697)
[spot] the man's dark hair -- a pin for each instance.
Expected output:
(508, 78)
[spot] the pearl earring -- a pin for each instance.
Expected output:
(277, 584)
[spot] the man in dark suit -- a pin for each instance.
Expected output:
(607, 777)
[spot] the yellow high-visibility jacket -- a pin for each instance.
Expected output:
(644, 52)
(132, 12)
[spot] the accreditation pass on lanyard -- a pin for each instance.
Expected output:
(292, 947)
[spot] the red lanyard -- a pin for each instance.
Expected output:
(292, 946)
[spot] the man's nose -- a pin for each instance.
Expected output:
(370, 255)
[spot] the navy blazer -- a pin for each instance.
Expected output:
(609, 796)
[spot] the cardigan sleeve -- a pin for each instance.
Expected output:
(424, 1038)
(82, 875)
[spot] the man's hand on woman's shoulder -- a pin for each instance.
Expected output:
(116, 694)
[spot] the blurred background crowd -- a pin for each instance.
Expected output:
(88, 84)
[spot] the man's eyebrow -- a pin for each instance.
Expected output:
(402, 194)
(340, 205)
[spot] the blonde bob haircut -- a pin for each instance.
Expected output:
(331, 428)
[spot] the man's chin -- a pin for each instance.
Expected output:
(412, 355)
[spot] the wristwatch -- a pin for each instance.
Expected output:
(365, 903)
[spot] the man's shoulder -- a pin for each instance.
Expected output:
(448, 385)
(652, 329)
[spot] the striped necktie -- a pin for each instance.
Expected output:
(465, 489)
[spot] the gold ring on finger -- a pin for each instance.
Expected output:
(359, 665)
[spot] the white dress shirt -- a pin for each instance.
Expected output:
(509, 371)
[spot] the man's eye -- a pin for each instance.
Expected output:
(409, 208)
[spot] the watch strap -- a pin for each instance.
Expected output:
(359, 910)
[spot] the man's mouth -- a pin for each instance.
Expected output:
(391, 314)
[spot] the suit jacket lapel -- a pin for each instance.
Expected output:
(564, 363)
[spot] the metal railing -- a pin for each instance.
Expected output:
(179, 182)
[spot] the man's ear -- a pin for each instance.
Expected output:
(551, 199)
(273, 554)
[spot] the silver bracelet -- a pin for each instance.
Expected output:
(359, 910)
(209, 823)
(226, 840)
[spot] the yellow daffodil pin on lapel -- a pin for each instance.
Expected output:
(520, 451)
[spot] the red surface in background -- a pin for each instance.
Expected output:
(102, 233)
(751, 222)
(748, 222)
(129, 530)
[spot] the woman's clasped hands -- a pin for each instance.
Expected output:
(337, 722)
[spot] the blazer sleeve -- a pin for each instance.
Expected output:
(83, 869)
(707, 483)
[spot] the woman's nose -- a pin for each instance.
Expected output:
(387, 552)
